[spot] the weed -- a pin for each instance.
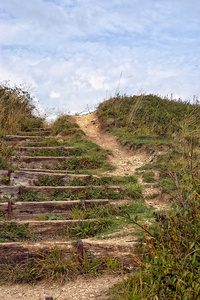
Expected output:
(62, 124)
(12, 232)
(17, 111)
(171, 258)
(46, 180)
(52, 265)
(148, 176)
(49, 216)
(56, 152)
(89, 229)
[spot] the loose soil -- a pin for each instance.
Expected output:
(124, 160)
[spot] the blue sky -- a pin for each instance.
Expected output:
(76, 53)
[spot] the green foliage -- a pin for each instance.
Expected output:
(89, 229)
(55, 152)
(62, 124)
(109, 180)
(148, 176)
(17, 111)
(52, 265)
(150, 113)
(46, 180)
(100, 211)
(47, 142)
(88, 194)
(5, 154)
(82, 163)
(12, 232)
(49, 216)
(171, 258)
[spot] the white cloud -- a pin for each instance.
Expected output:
(74, 52)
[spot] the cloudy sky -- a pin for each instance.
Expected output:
(76, 53)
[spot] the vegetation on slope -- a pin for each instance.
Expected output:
(171, 256)
(17, 113)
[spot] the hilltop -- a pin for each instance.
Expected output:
(124, 180)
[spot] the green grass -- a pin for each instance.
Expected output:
(54, 266)
(55, 152)
(50, 216)
(46, 180)
(148, 177)
(12, 232)
(17, 111)
(170, 243)
(171, 258)
(47, 142)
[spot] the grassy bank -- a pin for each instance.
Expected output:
(171, 248)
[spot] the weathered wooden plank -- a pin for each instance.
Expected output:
(31, 210)
(48, 227)
(125, 252)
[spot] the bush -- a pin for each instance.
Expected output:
(17, 111)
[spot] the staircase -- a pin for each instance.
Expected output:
(48, 212)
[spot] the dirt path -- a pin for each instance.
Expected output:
(126, 161)
(80, 289)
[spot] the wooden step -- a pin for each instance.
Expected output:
(31, 177)
(38, 161)
(47, 151)
(125, 251)
(31, 210)
(49, 227)
(41, 129)
(16, 138)
(30, 159)
(33, 133)
(20, 148)
(47, 171)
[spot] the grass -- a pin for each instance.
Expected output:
(148, 177)
(130, 191)
(170, 244)
(55, 152)
(46, 180)
(50, 216)
(171, 260)
(53, 266)
(82, 163)
(12, 232)
(17, 111)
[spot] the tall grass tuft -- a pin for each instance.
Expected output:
(17, 111)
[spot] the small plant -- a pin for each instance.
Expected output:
(12, 232)
(89, 229)
(63, 123)
(52, 265)
(18, 111)
(4, 180)
(56, 152)
(46, 180)
(148, 176)
(171, 259)
(49, 216)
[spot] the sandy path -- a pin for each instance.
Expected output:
(126, 161)
(80, 289)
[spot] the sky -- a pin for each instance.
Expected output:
(74, 54)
